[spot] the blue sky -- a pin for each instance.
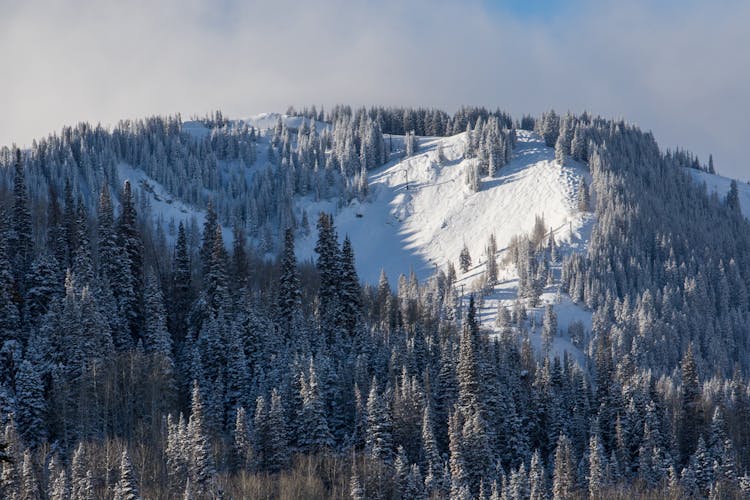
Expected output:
(676, 68)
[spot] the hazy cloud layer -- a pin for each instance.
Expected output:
(681, 70)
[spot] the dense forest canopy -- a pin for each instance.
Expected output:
(143, 357)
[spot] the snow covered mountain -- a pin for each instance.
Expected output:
(420, 213)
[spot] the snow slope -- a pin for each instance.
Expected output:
(420, 213)
(720, 185)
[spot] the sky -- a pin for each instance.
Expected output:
(680, 69)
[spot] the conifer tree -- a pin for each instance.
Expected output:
(32, 405)
(241, 440)
(549, 327)
(464, 259)
(289, 286)
(9, 314)
(209, 233)
(378, 437)
(22, 245)
(182, 295)
(314, 433)
(349, 289)
(690, 409)
(59, 487)
(81, 487)
(733, 198)
(563, 482)
(130, 279)
(29, 483)
(107, 240)
(596, 467)
(537, 486)
(200, 468)
(127, 485)
(278, 443)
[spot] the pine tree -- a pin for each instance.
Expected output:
(215, 282)
(492, 260)
(81, 487)
(107, 240)
(200, 466)
(22, 246)
(241, 440)
(155, 335)
(356, 492)
(32, 405)
(209, 233)
(733, 198)
(458, 474)
(467, 370)
(596, 467)
(182, 295)
(278, 443)
(464, 259)
(29, 483)
(289, 286)
(549, 327)
(349, 289)
(584, 199)
(563, 482)
(328, 267)
(127, 486)
(314, 433)
(9, 314)
(59, 487)
(378, 438)
(690, 409)
(130, 277)
(537, 486)
(430, 454)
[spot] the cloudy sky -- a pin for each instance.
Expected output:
(678, 68)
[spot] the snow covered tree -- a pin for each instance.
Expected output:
(328, 267)
(464, 259)
(182, 295)
(32, 406)
(127, 485)
(130, 279)
(241, 445)
(81, 484)
(58, 486)
(537, 482)
(596, 467)
(563, 482)
(200, 467)
(492, 260)
(29, 483)
(349, 289)
(378, 436)
(289, 286)
(584, 199)
(549, 327)
(278, 443)
(314, 433)
(21, 244)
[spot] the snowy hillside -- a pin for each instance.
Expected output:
(720, 185)
(421, 213)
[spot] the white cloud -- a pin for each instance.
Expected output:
(681, 71)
